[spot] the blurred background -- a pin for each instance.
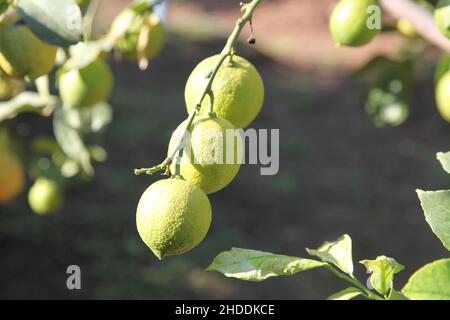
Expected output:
(339, 173)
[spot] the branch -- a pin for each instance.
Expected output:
(420, 18)
(228, 50)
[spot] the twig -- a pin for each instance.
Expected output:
(420, 19)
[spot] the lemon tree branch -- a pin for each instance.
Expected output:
(420, 18)
(248, 9)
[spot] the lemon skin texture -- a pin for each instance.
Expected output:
(45, 196)
(129, 24)
(348, 23)
(22, 54)
(173, 216)
(442, 17)
(12, 176)
(237, 89)
(87, 86)
(443, 96)
(208, 141)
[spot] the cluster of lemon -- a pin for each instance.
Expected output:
(24, 57)
(349, 27)
(174, 215)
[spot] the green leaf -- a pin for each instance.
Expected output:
(252, 265)
(442, 68)
(338, 253)
(382, 271)
(26, 101)
(83, 53)
(346, 294)
(71, 142)
(56, 22)
(92, 119)
(395, 295)
(444, 158)
(436, 206)
(431, 282)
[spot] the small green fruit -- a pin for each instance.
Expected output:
(45, 196)
(443, 96)
(442, 17)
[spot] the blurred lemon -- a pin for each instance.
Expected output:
(443, 96)
(237, 89)
(173, 216)
(45, 196)
(442, 17)
(22, 54)
(406, 28)
(204, 161)
(87, 86)
(12, 176)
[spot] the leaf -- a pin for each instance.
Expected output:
(444, 158)
(431, 282)
(436, 207)
(346, 294)
(442, 68)
(83, 53)
(382, 271)
(56, 22)
(338, 253)
(395, 295)
(252, 265)
(26, 101)
(92, 119)
(71, 142)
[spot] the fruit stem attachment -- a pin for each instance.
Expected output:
(227, 51)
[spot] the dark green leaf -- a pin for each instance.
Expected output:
(346, 294)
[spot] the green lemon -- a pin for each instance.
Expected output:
(442, 17)
(22, 54)
(3, 6)
(127, 28)
(443, 96)
(45, 196)
(204, 162)
(87, 86)
(237, 89)
(12, 176)
(349, 22)
(8, 88)
(173, 216)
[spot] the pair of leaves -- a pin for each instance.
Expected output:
(56, 22)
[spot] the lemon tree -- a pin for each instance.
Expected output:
(237, 92)
(349, 22)
(173, 216)
(210, 159)
(45, 196)
(12, 176)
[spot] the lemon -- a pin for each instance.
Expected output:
(12, 176)
(3, 6)
(349, 22)
(204, 162)
(237, 89)
(8, 88)
(128, 25)
(173, 216)
(45, 196)
(406, 28)
(443, 96)
(442, 17)
(87, 86)
(22, 54)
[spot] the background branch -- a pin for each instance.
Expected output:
(420, 18)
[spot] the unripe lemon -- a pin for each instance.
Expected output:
(443, 96)
(173, 216)
(45, 196)
(129, 24)
(442, 17)
(87, 86)
(12, 176)
(349, 22)
(237, 89)
(3, 6)
(22, 54)
(204, 162)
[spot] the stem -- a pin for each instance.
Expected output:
(226, 51)
(89, 19)
(366, 292)
(420, 18)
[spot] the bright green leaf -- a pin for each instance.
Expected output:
(395, 295)
(436, 206)
(56, 22)
(338, 253)
(431, 282)
(444, 158)
(252, 265)
(382, 271)
(346, 294)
